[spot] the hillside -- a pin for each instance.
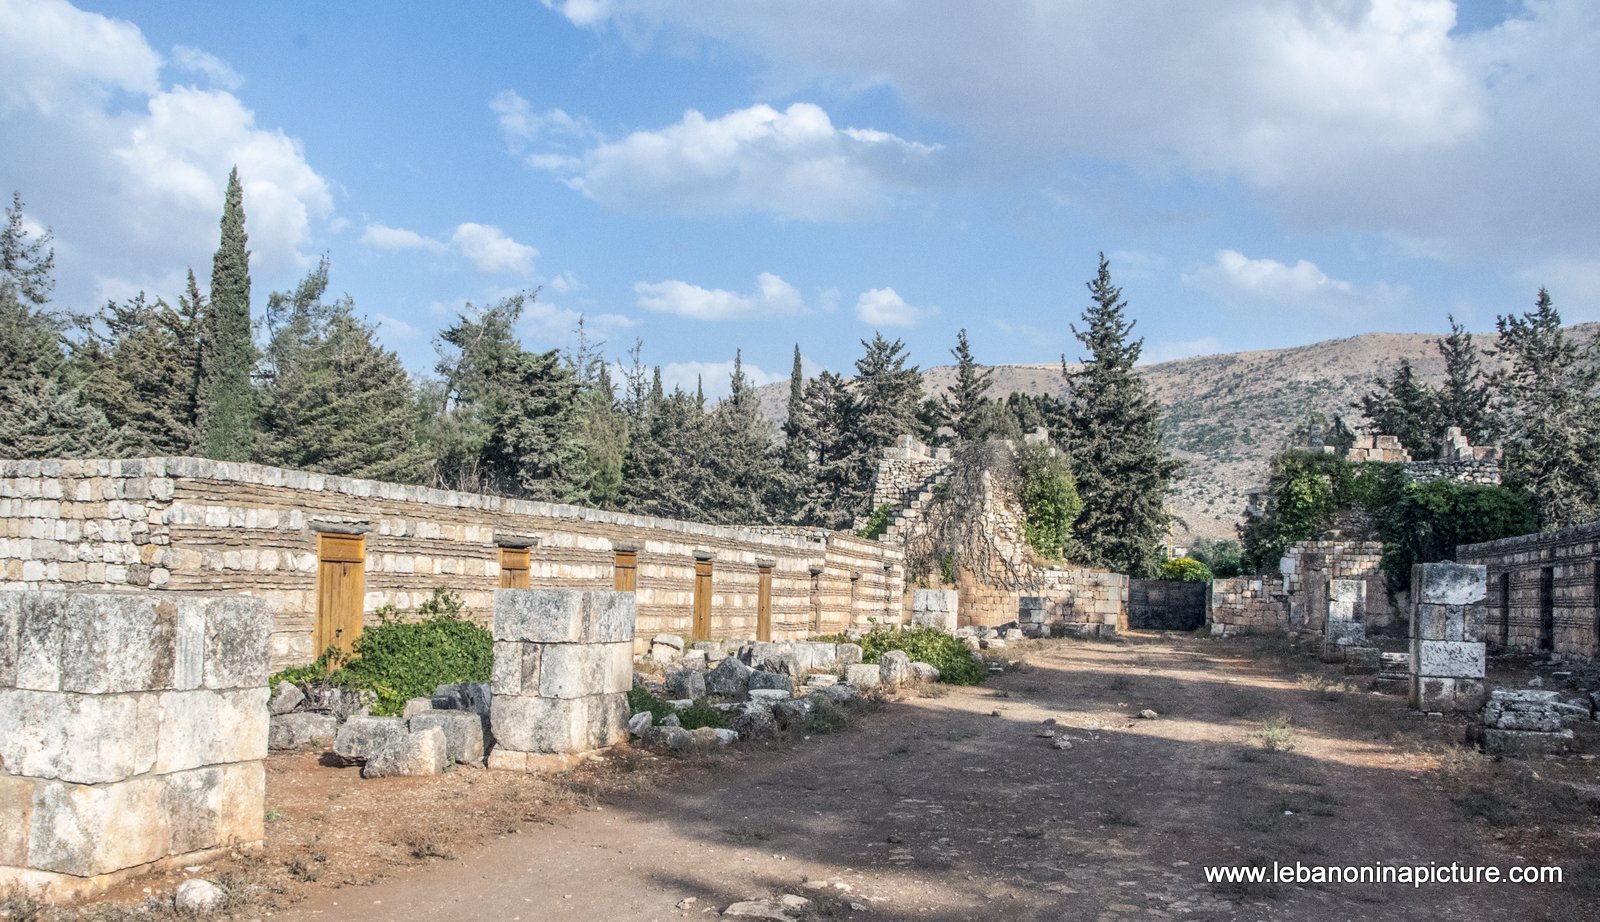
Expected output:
(1227, 414)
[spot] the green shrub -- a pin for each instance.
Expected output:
(398, 660)
(877, 522)
(1429, 520)
(693, 717)
(1050, 500)
(641, 699)
(1185, 570)
(927, 645)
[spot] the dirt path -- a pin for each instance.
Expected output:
(936, 808)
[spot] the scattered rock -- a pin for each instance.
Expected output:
(863, 675)
(1061, 742)
(463, 733)
(923, 672)
(783, 909)
(791, 713)
(286, 698)
(972, 643)
(417, 706)
(1012, 634)
(666, 648)
(694, 659)
(848, 654)
(1536, 682)
(725, 736)
(362, 737)
(671, 720)
(769, 695)
(761, 679)
(302, 729)
(668, 737)
(640, 722)
(894, 668)
(755, 721)
(198, 898)
(425, 752)
(993, 644)
(1148, 714)
(821, 680)
(686, 683)
(731, 678)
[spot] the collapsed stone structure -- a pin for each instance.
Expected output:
(132, 733)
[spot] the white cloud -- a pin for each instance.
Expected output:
(564, 283)
(520, 123)
(772, 296)
(713, 376)
(490, 250)
(383, 237)
(130, 172)
(1240, 281)
(396, 328)
(1380, 116)
(794, 164)
(485, 246)
(208, 65)
(883, 307)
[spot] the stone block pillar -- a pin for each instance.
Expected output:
(563, 664)
(1447, 628)
(935, 608)
(133, 729)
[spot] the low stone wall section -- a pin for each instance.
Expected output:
(133, 729)
(1248, 605)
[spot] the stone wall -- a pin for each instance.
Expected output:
(1543, 591)
(133, 729)
(192, 525)
(1248, 605)
(1308, 566)
(1447, 634)
(903, 470)
(1166, 605)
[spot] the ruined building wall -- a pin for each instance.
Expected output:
(1248, 605)
(1308, 566)
(192, 525)
(1543, 591)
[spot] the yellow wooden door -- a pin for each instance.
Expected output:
(341, 590)
(514, 568)
(627, 571)
(764, 604)
(702, 600)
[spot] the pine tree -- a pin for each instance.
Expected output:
(332, 399)
(471, 350)
(1552, 418)
(1113, 437)
(964, 402)
(1464, 398)
(228, 355)
(1405, 408)
(532, 417)
(139, 363)
(832, 491)
(603, 436)
(666, 473)
(746, 481)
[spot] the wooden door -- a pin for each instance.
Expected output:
(702, 600)
(514, 568)
(341, 590)
(764, 604)
(627, 571)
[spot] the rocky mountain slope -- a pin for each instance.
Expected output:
(1227, 414)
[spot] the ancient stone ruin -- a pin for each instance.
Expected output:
(1447, 629)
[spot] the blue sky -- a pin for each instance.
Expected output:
(713, 175)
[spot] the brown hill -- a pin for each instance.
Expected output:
(1227, 414)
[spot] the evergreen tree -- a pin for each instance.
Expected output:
(332, 399)
(746, 482)
(471, 350)
(1113, 438)
(533, 448)
(965, 401)
(603, 435)
(228, 354)
(1464, 398)
(1552, 418)
(1405, 408)
(832, 490)
(797, 396)
(140, 366)
(665, 473)
(889, 393)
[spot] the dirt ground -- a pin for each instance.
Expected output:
(957, 806)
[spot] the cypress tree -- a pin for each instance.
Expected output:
(665, 473)
(1552, 418)
(797, 395)
(965, 401)
(228, 355)
(1113, 437)
(1464, 398)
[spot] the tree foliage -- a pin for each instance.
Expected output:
(225, 397)
(1050, 501)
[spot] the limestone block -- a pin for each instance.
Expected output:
(1520, 744)
(686, 683)
(424, 752)
(285, 698)
(607, 720)
(563, 616)
(609, 616)
(203, 727)
(463, 733)
(569, 670)
(16, 818)
(942, 620)
(848, 654)
(1448, 658)
(10, 615)
(301, 729)
(619, 667)
(761, 680)
(924, 672)
(527, 724)
(731, 678)
(516, 667)
(237, 651)
(415, 706)
(863, 675)
(1535, 721)
(85, 830)
(362, 737)
(85, 739)
(1451, 695)
(1449, 583)
(1362, 660)
(894, 668)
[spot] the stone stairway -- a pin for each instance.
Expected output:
(913, 511)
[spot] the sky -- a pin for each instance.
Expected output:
(708, 176)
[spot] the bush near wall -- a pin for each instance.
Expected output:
(1184, 570)
(929, 645)
(399, 659)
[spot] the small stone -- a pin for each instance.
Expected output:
(286, 698)
(671, 720)
(726, 737)
(1536, 682)
(301, 729)
(686, 683)
(923, 672)
(198, 897)
(669, 737)
(763, 680)
(731, 678)
(863, 675)
(821, 680)
(686, 903)
(640, 722)
(1061, 743)
(1148, 714)
(894, 668)
(417, 706)
(995, 713)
